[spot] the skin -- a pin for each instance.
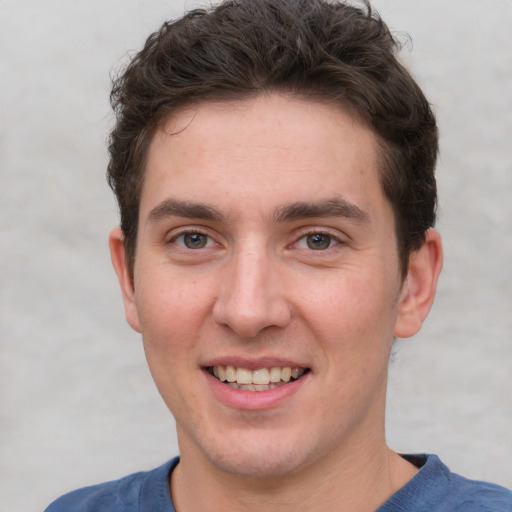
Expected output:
(256, 181)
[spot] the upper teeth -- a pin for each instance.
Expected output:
(260, 376)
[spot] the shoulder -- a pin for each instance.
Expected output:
(133, 493)
(437, 489)
(477, 496)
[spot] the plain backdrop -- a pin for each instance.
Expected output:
(77, 404)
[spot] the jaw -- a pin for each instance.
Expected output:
(253, 434)
(274, 444)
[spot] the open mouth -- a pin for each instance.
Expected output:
(262, 379)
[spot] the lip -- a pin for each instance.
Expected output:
(253, 400)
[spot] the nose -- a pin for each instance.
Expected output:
(251, 297)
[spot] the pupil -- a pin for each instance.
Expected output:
(318, 241)
(194, 240)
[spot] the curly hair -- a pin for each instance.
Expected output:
(318, 50)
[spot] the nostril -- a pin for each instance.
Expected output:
(248, 321)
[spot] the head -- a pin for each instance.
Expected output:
(274, 167)
(333, 53)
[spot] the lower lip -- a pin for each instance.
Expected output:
(253, 400)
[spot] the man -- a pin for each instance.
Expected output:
(274, 168)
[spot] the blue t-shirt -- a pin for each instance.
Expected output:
(434, 488)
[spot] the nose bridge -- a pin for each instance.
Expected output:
(250, 299)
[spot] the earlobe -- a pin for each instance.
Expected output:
(419, 287)
(118, 256)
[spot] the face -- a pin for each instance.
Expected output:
(266, 283)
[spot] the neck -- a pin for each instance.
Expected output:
(358, 481)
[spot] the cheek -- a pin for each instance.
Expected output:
(172, 303)
(171, 317)
(352, 310)
(171, 324)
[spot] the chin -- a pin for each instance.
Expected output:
(263, 457)
(257, 466)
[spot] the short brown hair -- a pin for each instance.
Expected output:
(315, 49)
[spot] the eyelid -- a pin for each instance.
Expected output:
(190, 231)
(319, 231)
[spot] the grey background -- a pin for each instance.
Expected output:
(77, 405)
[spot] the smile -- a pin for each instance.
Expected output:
(262, 379)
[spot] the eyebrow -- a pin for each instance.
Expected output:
(333, 207)
(188, 209)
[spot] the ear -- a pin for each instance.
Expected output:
(419, 287)
(118, 256)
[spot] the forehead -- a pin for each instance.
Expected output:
(268, 149)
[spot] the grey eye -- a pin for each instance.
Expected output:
(318, 241)
(195, 240)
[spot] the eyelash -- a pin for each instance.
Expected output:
(184, 233)
(333, 241)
